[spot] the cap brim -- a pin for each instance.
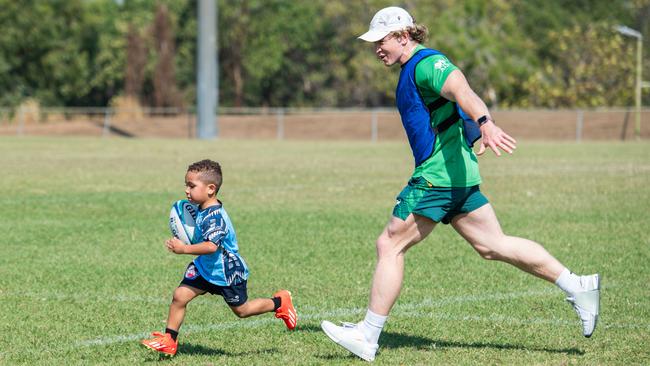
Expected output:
(373, 36)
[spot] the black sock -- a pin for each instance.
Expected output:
(276, 303)
(172, 332)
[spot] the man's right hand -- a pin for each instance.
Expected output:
(495, 138)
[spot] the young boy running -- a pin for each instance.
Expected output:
(218, 268)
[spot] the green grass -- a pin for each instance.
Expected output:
(84, 274)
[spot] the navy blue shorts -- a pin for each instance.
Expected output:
(234, 295)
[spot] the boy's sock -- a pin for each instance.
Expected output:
(569, 282)
(276, 302)
(172, 332)
(372, 325)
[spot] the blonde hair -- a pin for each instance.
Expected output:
(418, 33)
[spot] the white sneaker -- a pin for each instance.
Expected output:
(350, 337)
(587, 303)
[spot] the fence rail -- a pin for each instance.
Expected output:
(308, 123)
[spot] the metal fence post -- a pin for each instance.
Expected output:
(279, 114)
(21, 121)
(107, 122)
(579, 124)
(625, 120)
(373, 125)
(190, 125)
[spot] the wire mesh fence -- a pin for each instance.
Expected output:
(308, 124)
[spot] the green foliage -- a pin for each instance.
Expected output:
(40, 51)
(519, 53)
(265, 50)
(357, 77)
(588, 67)
(483, 39)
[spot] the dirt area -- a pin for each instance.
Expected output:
(336, 125)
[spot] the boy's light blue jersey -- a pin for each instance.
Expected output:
(224, 267)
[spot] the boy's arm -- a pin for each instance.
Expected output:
(174, 245)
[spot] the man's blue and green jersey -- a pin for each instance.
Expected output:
(443, 159)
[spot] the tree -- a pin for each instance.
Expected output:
(136, 60)
(590, 66)
(522, 53)
(164, 78)
(41, 52)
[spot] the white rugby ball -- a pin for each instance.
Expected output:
(182, 221)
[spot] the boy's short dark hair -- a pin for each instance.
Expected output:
(210, 172)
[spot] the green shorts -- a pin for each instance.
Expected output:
(437, 203)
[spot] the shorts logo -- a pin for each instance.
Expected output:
(233, 299)
(191, 274)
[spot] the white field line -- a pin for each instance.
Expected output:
(412, 310)
(401, 309)
(409, 310)
(52, 296)
(341, 312)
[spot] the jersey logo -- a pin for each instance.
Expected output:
(441, 65)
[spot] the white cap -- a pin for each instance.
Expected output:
(387, 20)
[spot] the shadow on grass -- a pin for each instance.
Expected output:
(309, 328)
(197, 349)
(398, 340)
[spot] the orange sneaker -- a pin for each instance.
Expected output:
(286, 310)
(163, 343)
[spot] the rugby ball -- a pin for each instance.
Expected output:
(182, 221)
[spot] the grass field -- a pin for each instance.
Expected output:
(84, 275)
